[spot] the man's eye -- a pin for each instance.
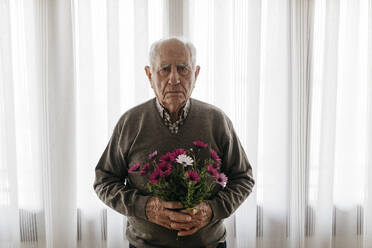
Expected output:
(164, 70)
(182, 69)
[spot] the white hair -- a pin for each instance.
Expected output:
(154, 50)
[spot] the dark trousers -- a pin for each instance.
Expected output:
(221, 245)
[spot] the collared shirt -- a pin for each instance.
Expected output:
(165, 115)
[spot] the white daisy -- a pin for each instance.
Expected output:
(184, 160)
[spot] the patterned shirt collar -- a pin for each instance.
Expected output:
(165, 115)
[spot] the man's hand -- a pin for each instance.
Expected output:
(162, 213)
(201, 216)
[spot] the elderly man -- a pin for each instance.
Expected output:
(171, 120)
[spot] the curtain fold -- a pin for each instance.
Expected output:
(367, 220)
(60, 181)
(295, 77)
(324, 91)
(273, 128)
(301, 24)
(9, 224)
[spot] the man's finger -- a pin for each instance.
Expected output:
(164, 223)
(189, 211)
(188, 232)
(177, 217)
(181, 226)
(163, 218)
(172, 205)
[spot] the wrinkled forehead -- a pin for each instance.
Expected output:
(173, 52)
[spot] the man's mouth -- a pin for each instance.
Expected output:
(174, 92)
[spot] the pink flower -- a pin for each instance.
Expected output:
(200, 144)
(165, 168)
(221, 179)
(179, 152)
(144, 169)
(216, 165)
(167, 158)
(155, 176)
(152, 155)
(214, 155)
(212, 170)
(134, 167)
(193, 176)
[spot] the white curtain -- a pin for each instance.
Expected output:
(295, 77)
(37, 125)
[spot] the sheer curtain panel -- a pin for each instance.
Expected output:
(38, 168)
(294, 76)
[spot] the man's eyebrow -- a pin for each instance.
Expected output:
(183, 64)
(163, 65)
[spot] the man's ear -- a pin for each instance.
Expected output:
(148, 74)
(197, 72)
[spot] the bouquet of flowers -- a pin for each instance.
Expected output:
(187, 176)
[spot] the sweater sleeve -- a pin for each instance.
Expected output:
(111, 173)
(240, 179)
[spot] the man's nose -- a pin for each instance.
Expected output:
(174, 76)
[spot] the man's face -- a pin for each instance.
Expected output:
(172, 76)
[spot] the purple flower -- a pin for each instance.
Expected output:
(155, 176)
(193, 176)
(134, 167)
(152, 155)
(167, 158)
(177, 152)
(212, 170)
(144, 169)
(200, 144)
(165, 168)
(214, 155)
(221, 179)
